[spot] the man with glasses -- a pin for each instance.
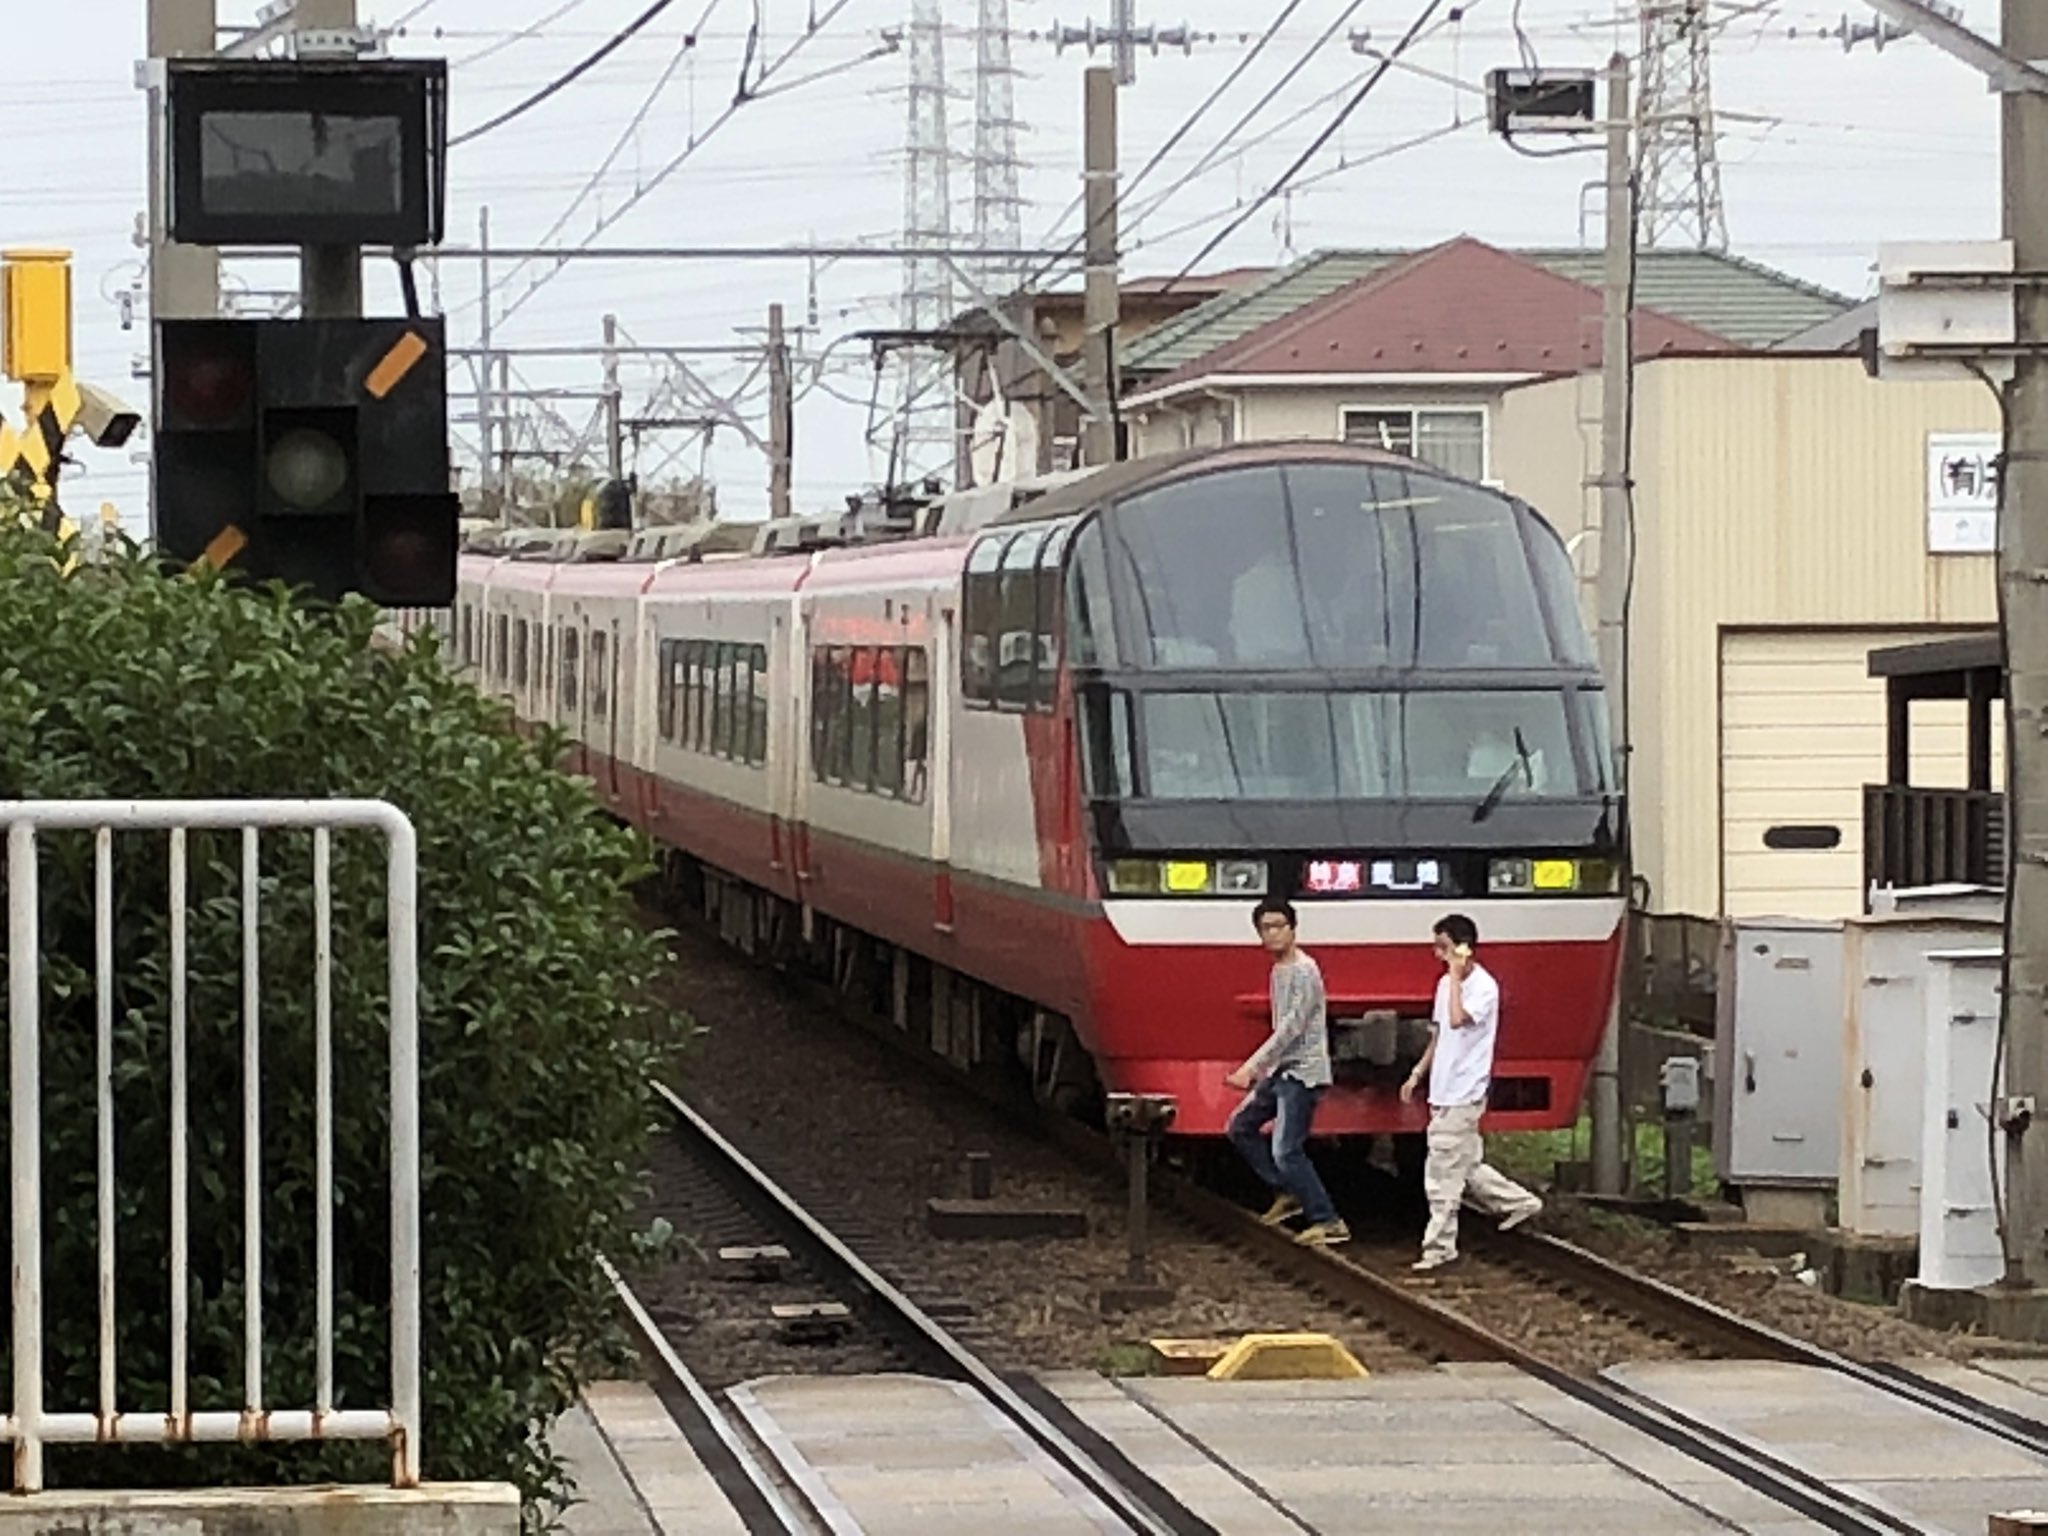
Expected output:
(1284, 1081)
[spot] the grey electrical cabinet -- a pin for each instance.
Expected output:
(1778, 1050)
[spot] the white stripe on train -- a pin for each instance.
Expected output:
(1526, 920)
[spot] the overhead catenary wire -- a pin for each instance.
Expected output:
(568, 77)
(1187, 124)
(815, 27)
(1408, 38)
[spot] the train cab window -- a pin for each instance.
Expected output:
(1016, 626)
(522, 655)
(666, 679)
(1478, 605)
(917, 710)
(571, 657)
(981, 602)
(757, 721)
(1212, 563)
(1091, 634)
(1354, 541)
(600, 675)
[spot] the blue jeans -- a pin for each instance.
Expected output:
(1283, 1162)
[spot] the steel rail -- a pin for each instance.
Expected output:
(929, 1338)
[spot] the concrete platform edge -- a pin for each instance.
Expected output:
(438, 1509)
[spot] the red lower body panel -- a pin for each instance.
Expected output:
(1157, 1018)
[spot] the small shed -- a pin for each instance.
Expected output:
(1916, 836)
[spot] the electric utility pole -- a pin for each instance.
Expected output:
(330, 276)
(2022, 569)
(1102, 304)
(781, 417)
(1617, 385)
(614, 404)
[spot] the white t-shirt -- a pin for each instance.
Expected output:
(1462, 1070)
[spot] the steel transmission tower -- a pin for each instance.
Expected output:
(924, 385)
(998, 204)
(1678, 172)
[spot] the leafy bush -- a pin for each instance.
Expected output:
(536, 1040)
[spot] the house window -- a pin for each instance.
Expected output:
(1453, 440)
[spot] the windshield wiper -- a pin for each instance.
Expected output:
(1521, 764)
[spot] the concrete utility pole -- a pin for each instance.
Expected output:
(486, 406)
(781, 417)
(330, 276)
(614, 404)
(1102, 308)
(184, 280)
(2022, 562)
(1617, 386)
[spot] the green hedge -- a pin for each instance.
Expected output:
(119, 681)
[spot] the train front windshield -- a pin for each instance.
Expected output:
(1333, 632)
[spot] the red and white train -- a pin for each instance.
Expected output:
(1021, 779)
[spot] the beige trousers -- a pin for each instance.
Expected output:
(1456, 1171)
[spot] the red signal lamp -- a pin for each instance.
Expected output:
(212, 389)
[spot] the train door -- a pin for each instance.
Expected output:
(782, 756)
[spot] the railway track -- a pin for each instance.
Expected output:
(1469, 1314)
(878, 1323)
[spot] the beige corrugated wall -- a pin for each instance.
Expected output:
(1772, 492)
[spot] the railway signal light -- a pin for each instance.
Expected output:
(314, 452)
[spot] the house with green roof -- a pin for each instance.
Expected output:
(1412, 351)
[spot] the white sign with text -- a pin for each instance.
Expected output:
(1962, 493)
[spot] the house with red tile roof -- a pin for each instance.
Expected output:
(1414, 353)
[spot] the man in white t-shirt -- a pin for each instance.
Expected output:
(1459, 1067)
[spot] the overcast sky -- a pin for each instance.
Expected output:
(1824, 154)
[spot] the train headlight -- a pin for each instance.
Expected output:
(1189, 877)
(1551, 877)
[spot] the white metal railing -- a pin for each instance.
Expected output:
(30, 1426)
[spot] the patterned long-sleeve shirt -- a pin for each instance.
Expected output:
(1300, 1043)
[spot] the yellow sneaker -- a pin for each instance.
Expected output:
(1326, 1235)
(1283, 1207)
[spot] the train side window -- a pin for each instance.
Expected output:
(1046, 628)
(821, 709)
(860, 760)
(1091, 633)
(696, 700)
(522, 641)
(837, 698)
(917, 711)
(1016, 649)
(500, 661)
(571, 646)
(721, 700)
(547, 654)
(889, 722)
(600, 676)
(1106, 764)
(981, 601)
(665, 702)
(757, 731)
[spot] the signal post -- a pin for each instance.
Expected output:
(313, 451)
